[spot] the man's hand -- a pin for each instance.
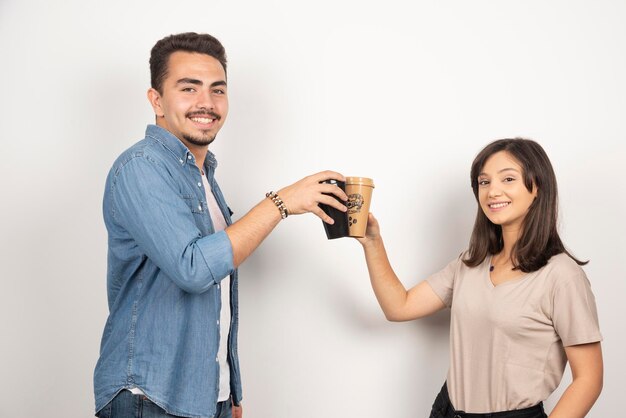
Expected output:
(237, 411)
(301, 197)
(305, 195)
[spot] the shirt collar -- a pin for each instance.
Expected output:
(176, 147)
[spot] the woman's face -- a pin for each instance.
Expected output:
(502, 195)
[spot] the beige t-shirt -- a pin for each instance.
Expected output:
(506, 341)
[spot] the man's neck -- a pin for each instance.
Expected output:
(199, 152)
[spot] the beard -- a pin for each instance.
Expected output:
(205, 138)
(200, 141)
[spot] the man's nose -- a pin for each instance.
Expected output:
(205, 101)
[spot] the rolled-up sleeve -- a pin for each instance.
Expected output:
(148, 204)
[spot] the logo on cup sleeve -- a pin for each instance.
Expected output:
(354, 204)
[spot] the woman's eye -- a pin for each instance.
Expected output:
(483, 182)
(509, 179)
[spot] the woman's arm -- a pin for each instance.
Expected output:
(587, 371)
(395, 301)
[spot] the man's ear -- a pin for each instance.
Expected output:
(154, 97)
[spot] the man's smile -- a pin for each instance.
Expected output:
(203, 118)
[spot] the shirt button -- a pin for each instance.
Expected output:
(200, 208)
(181, 161)
(216, 359)
(189, 157)
(199, 184)
(218, 322)
(218, 286)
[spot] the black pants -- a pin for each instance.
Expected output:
(442, 408)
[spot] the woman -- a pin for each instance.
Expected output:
(521, 305)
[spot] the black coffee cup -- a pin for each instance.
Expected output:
(340, 228)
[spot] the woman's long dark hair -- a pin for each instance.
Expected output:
(539, 239)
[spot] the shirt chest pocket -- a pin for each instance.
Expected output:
(199, 211)
(195, 205)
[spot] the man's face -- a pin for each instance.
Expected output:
(194, 103)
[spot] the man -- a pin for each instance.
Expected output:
(170, 343)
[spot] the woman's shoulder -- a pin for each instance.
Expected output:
(563, 262)
(465, 271)
(465, 255)
(454, 267)
(562, 269)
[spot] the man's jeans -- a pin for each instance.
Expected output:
(127, 405)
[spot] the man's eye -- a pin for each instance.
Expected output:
(189, 89)
(509, 179)
(219, 91)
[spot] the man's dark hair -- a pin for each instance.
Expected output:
(201, 43)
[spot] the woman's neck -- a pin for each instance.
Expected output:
(510, 235)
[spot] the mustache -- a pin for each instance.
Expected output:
(202, 113)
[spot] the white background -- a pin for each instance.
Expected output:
(405, 94)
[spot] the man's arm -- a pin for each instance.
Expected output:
(147, 208)
(147, 203)
(301, 197)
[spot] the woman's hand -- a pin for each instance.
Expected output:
(372, 233)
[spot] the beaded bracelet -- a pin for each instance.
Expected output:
(279, 204)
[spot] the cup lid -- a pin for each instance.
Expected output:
(360, 180)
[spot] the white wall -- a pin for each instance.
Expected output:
(406, 94)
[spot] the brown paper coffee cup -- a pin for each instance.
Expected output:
(359, 191)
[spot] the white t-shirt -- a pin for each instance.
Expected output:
(219, 224)
(506, 341)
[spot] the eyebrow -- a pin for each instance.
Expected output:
(197, 82)
(501, 171)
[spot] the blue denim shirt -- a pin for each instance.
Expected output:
(165, 265)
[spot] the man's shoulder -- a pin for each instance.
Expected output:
(147, 150)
